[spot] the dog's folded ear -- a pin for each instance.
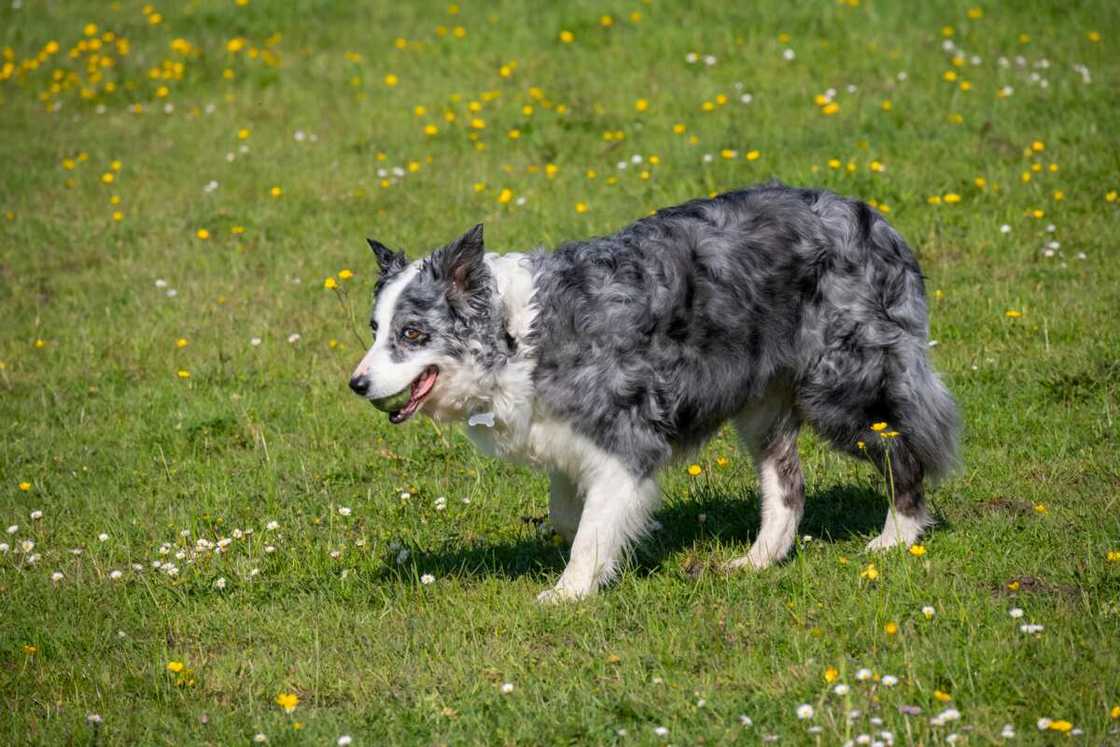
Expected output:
(462, 265)
(387, 260)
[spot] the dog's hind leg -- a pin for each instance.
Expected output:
(907, 516)
(616, 513)
(564, 505)
(769, 431)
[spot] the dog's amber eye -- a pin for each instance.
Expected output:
(411, 334)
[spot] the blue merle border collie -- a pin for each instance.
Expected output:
(605, 359)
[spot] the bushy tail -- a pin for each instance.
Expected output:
(929, 421)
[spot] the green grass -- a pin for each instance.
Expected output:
(98, 421)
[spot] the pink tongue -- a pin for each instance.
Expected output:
(424, 384)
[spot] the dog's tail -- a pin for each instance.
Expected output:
(927, 419)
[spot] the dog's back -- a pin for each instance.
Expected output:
(651, 338)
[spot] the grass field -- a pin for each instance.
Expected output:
(181, 181)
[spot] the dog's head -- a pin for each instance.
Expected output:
(432, 320)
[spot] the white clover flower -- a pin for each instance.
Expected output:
(137, 567)
(344, 510)
(746, 98)
(507, 688)
(254, 341)
(294, 337)
(789, 55)
(805, 711)
(863, 739)
(1008, 731)
(13, 529)
(1030, 628)
(184, 533)
(952, 738)
(237, 534)
(691, 58)
(863, 674)
(272, 525)
(115, 575)
(254, 573)
(889, 680)
(1044, 723)
(661, 731)
(709, 60)
(902, 75)
(1005, 228)
(35, 515)
(746, 720)
(33, 558)
(345, 740)
(27, 545)
(841, 689)
(220, 583)
(4, 547)
(299, 136)
(93, 719)
(440, 503)
(270, 549)
(427, 579)
(336, 554)
(260, 738)
(1015, 613)
(708, 158)
(405, 495)
(57, 576)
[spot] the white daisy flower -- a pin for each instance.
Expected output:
(805, 711)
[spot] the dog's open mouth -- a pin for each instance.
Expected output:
(421, 388)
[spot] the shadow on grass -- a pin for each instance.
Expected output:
(836, 514)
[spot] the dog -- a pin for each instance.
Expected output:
(602, 361)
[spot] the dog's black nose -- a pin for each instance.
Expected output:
(360, 385)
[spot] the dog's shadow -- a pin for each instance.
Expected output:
(835, 514)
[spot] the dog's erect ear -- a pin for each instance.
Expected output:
(388, 260)
(462, 265)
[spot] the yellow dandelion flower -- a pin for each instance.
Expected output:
(1060, 725)
(830, 108)
(679, 128)
(1025, 177)
(1013, 314)
(40, 343)
(1013, 586)
(567, 37)
(1094, 36)
(728, 153)
(886, 105)
(182, 342)
(722, 461)
(980, 182)
(1113, 556)
(431, 130)
(753, 155)
(478, 123)
(831, 675)
(877, 427)
(505, 196)
(1038, 146)
(708, 106)
(276, 192)
(952, 198)
(184, 373)
(582, 207)
(641, 105)
(606, 21)
(1110, 196)
(635, 17)
(29, 649)
(1024, 38)
(592, 174)
(1041, 508)
(966, 85)
(459, 32)
(1115, 712)
(949, 75)
(287, 701)
(514, 134)
(834, 163)
(479, 186)
(975, 13)
(202, 233)
(891, 628)
(237, 230)
(391, 80)
(917, 550)
(175, 666)
(118, 216)
(942, 696)
(1059, 195)
(870, 572)
(551, 169)
(330, 283)
(25, 486)
(345, 273)
(875, 166)
(695, 470)
(108, 177)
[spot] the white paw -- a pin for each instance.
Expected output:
(559, 595)
(754, 560)
(886, 542)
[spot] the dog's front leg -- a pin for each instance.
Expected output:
(616, 512)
